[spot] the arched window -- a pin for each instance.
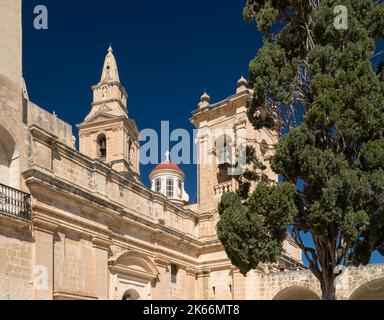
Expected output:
(224, 150)
(130, 150)
(9, 160)
(170, 188)
(224, 158)
(102, 146)
(180, 187)
(264, 148)
(158, 185)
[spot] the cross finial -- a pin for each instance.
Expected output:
(167, 156)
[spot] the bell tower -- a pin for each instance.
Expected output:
(108, 134)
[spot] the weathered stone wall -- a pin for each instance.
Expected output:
(14, 134)
(15, 260)
(11, 40)
(50, 123)
(97, 178)
(303, 284)
(73, 267)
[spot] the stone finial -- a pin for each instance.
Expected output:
(242, 85)
(204, 100)
(167, 156)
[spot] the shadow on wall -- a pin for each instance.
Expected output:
(296, 293)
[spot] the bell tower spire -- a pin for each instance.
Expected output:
(109, 96)
(108, 134)
(110, 72)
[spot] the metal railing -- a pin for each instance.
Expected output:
(15, 203)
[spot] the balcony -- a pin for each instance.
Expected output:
(222, 188)
(15, 203)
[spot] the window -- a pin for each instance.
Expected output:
(174, 271)
(224, 150)
(170, 193)
(224, 174)
(102, 146)
(180, 186)
(130, 150)
(264, 147)
(158, 185)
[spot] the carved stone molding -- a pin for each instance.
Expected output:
(204, 273)
(43, 225)
(101, 243)
(159, 261)
(191, 272)
(240, 123)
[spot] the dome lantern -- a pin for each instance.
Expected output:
(168, 179)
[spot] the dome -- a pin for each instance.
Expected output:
(167, 165)
(168, 179)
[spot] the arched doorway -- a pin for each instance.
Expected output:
(131, 295)
(9, 160)
(132, 276)
(372, 290)
(296, 293)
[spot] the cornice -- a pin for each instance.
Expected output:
(101, 243)
(34, 176)
(41, 224)
(112, 83)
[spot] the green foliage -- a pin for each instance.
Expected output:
(319, 83)
(253, 232)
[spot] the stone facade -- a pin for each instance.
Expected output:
(96, 232)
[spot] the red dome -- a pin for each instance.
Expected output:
(168, 165)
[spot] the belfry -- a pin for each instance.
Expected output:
(107, 133)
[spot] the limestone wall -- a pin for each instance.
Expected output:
(14, 135)
(11, 41)
(97, 178)
(47, 121)
(15, 260)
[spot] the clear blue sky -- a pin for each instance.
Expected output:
(168, 53)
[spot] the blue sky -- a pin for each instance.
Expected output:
(168, 53)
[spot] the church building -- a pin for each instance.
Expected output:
(81, 224)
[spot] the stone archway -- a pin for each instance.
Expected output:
(372, 290)
(9, 160)
(131, 295)
(296, 293)
(132, 276)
